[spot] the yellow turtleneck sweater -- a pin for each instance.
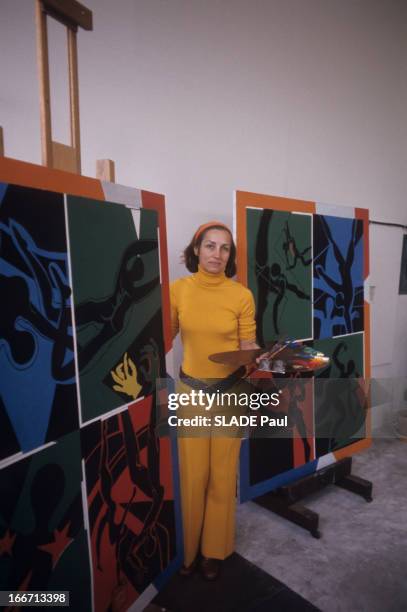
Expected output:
(213, 313)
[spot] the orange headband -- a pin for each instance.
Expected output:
(206, 226)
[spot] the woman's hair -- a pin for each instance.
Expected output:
(191, 260)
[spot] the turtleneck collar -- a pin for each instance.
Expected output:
(207, 279)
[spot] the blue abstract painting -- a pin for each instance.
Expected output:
(337, 276)
(36, 343)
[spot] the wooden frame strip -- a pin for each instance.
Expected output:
(105, 170)
(74, 97)
(71, 14)
(45, 102)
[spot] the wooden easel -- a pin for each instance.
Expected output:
(285, 500)
(72, 15)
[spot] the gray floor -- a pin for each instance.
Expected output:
(360, 563)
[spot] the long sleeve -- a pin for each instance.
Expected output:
(174, 311)
(247, 324)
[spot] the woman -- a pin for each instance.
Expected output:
(213, 314)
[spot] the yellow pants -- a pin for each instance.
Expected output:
(208, 468)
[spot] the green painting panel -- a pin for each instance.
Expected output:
(116, 288)
(43, 519)
(279, 258)
(340, 399)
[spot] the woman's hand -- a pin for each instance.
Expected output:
(125, 377)
(247, 345)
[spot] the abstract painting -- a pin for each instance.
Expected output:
(279, 269)
(112, 307)
(131, 514)
(306, 264)
(90, 492)
(38, 400)
(43, 541)
(340, 398)
(270, 457)
(338, 276)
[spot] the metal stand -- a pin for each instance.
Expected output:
(284, 501)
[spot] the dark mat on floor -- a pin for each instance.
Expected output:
(242, 587)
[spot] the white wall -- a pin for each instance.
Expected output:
(195, 98)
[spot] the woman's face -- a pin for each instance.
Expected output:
(214, 251)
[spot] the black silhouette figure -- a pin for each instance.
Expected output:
(111, 312)
(297, 393)
(342, 411)
(348, 370)
(270, 279)
(290, 249)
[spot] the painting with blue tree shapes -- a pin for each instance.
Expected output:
(38, 400)
(338, 276)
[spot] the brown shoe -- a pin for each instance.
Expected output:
(186, 571)
(210, 568)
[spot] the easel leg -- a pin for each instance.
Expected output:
(357, 485)
(284, 501)
(294, 512)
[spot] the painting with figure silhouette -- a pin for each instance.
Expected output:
(338, 276)
(130, 497)
(114, 305)
(43, 542)
(340, 398)
(270, 456)
(38, 399)
(279, 256)
(90, 491)
(306, 264)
